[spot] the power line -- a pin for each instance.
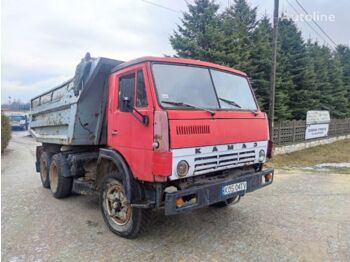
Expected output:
(316, 23)
(296, 11)
(161, 6)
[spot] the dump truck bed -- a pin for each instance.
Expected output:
(67, 116)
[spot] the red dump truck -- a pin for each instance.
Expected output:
(152, 133)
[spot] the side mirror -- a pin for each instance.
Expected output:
(130, 108)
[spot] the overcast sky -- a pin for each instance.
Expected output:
(42, 41)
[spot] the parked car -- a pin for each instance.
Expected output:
(18, 121)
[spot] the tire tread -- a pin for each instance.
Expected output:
(65, 183)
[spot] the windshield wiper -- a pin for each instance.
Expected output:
(233, 103)
(230, 102)
(188, 105)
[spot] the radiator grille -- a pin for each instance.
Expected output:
(222, 161)
(192, 130)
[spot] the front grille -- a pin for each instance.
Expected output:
(193, 130)
(206, 164)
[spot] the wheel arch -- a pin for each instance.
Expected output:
(110, 160)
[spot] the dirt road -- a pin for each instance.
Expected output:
(301, 217)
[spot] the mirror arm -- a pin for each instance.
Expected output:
(144, 119)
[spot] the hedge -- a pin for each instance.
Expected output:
(5, 132)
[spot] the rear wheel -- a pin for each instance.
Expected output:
(45, 161)
(120, 217)
(60, 182)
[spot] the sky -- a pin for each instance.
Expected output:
(43, 41)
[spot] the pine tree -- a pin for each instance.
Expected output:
(304, 96)
(321, 58)
(261, 62)
(284, 83)
(339, 102)
(199, 36)
(343, 54)
(308, 76)
(238, 24)
(292, 49)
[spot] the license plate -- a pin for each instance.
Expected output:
(230, 189)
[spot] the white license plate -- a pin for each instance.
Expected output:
(230, 189)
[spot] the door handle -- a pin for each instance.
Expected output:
(114, 132)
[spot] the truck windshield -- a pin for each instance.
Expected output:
(17, 118)
(201, 87)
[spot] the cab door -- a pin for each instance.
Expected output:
(131, 120)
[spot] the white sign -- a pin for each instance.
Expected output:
(316, 130)
(317, 117)
(317, 124)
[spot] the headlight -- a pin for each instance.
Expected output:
(261, 156)
(182, 168)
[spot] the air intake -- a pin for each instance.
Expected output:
(192, 130)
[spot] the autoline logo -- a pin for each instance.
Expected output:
(314, 16)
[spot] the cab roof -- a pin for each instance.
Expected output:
(174, 60)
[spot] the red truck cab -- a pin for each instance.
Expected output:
(176, 132)
(192, 126)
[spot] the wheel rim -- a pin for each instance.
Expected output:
(43, 170)
(53, 178)
(117, 204)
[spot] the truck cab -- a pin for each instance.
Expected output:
(199, 115)
(181, 134)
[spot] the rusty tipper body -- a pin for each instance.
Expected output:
(169, 133)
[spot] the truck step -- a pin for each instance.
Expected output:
(144, 204)
(84, 187)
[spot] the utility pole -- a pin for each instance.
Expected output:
(273, 73)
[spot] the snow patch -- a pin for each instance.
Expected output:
(331, 165)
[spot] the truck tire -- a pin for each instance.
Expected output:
(120, 217)
(45, 161)
(224, 203)
(60, 183)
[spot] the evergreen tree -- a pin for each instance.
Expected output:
(321, 57)
(309, 91)
(293, 53)
(238, 23)
(284, 83)
(199, 36)
(261, 62)
(304, 96)
(339, 101)
(343, 54)
(308, 76)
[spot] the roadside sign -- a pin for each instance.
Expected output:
(317, 117)
(317, 124)
(317, 130)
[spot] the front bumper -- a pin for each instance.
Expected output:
(208, 194)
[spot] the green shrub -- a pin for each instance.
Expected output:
(5, 132)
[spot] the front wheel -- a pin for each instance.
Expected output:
(121, 218)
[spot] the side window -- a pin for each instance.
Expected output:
(141, 96)
(126, 91)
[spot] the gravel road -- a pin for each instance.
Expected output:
(301, 217)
